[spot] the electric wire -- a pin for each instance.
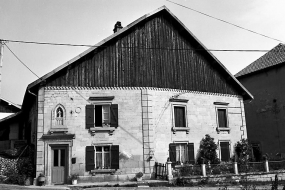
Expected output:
(36, 74)
(226, 22)
(132, 47)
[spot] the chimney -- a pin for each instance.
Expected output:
(117, 27)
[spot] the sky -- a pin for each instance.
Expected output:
(90, 21)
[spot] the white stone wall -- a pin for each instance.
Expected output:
(201, 119)
(139, 110)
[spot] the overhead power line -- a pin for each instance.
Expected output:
(226, 22)
(136, 47)
(20, 60)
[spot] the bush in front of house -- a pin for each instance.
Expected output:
(243, 151)
(208, 151)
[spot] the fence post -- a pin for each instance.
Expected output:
(169, 171)
(203, 168)
(235, 167)
(266, 166)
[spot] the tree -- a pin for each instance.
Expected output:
(208, 151)
(243, 151)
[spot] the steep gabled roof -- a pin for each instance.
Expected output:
(273, 57)
(244, 91)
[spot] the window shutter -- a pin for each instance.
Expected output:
(114, 115)
(172, 154)
(191, 156)
(225, 151)
(89, 158)
(115, 157)
(89, 111)
(222, 116)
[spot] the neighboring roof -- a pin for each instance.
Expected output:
(10, 103)
(271, 58)
(10, 117)
(246, 93)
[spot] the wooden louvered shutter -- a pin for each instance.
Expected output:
(191, 156)
(115, 157)
(89, 158)
(114, 115)
(89, 111)
(225, 151)
(172, 154)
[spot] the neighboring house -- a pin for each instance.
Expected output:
(142, 95)
(8, 108)
(10, 132)
(265, 115)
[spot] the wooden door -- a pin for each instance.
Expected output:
(58, 165)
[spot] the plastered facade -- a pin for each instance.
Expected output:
(145, 120)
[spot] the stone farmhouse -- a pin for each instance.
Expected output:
(149, 92)
(265, 114)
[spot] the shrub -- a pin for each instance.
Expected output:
(244, 151)
(207, 151)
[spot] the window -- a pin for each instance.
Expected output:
(101, 115)
(180, 116)
(256, 152)
(181, 153)
(222, 118)
(102, 157)
(225, 151)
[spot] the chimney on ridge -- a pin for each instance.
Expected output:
(117, 27)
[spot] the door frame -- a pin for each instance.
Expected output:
(65, 147)
(48, 157)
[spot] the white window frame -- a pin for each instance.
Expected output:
(103, 155)
(220, 150)
(174, 128)
(103, 104)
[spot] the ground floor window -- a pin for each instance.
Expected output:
(225, 151)
(256, 152)
(181, 153)
(102, 157)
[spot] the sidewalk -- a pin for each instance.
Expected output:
(124, 185)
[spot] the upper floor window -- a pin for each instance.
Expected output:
(180, 116)
(222, 117)
(101, 115)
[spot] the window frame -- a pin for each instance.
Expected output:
(179, 128)
(187, 155)
(102, 104)
(220, 149)
(103, 156)
(227, 128)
